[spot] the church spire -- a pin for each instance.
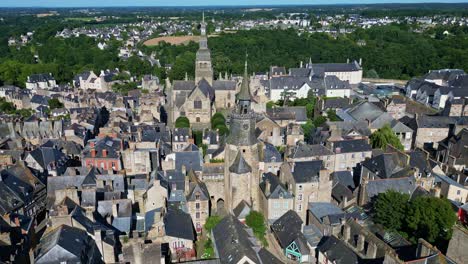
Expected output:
(203, 25)
(244, 94)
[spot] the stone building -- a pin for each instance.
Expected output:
(198, 200)
(242, 153)
(195, 99)
(308, 181)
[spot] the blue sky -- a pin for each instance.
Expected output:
(90, 3)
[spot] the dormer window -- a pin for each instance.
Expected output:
(197, 196)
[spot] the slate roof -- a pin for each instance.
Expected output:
(277, 189)
(337, 251)
(267, 258)
(224, 85)
(232, 241)
(365, 111)
(347, 127)
(419, 159)
(388, 165)
(189, 159)
(443, 74)
(297, 113)
(47, 157)
(334, 103)
(65, 244)
(240, 166)
(288, 229)
(337, 67)
(340, 191)
(332, 82)
(205, 88)
(40, 100)
(9, 200)
(179, 224)
(352, 146)
(307, 171)
(271, 154)
(183, 85)
(458, 147)
(275, 70)
(288, 83)
(425, 121)
(23, 187)
(303, 150)
(40, 77)
(301, 72)
(241, 210)
(402, 185)
(111, 145)
(345, 178)
(197, 186)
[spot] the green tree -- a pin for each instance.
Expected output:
(308, 129)
(431, 218)
(372, 74)
(331, 114)
(256, 221)
(198, 137)
(218, 122)
(319, 121)
(217, 119)
(211, 222)
(182, 122)
(54, 103)
(183, 64)
(390, 210)
(384, 137)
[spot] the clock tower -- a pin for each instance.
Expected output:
(241, 153)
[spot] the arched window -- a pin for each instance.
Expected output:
(197, 104)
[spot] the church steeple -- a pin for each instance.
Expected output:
(203, 25)
(203, 67)
(243, 97)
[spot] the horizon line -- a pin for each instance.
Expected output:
(240, 6)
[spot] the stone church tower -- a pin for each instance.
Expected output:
(241, 174)
(203, 67)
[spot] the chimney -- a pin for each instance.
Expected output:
(93, 153)
(91, 144)
(360, 61)
(267, 187)
(292, 167)
(301, 64)
(104, 153)
(347, 60)
(184, 170)
(115, 209)
(337, 150)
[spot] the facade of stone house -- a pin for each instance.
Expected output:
(308, 182)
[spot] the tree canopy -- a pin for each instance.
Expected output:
(430, 218)
(54, 103)
(182, 122)
(218, 122)
(384, 137)
(256, 221)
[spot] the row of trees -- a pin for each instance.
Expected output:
(393, 51)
